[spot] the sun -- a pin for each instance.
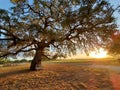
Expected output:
(101, 53)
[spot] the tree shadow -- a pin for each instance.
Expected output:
(10, 73)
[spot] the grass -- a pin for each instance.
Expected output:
(103, 61)
(55, 76)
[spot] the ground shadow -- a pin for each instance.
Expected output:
(14, 73)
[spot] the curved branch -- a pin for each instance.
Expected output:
(10, 34)
(28, 50)
(19, 50)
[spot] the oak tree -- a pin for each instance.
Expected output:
(54, 28)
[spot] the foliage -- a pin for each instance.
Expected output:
(8, 61)
(4, 61)
(20, 61)
(55, 28)
(114, 46)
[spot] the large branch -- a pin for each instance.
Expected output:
(10, 33)
(6, 38)
(22, 49)
(28, 50)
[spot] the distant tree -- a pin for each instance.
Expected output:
(114, 45)
(54, 28)
(23, 60)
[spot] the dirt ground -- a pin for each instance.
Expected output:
(58, 77)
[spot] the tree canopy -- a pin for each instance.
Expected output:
(52, 28)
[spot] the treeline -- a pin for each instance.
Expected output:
(5, 61)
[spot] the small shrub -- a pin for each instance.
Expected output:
(4, 61)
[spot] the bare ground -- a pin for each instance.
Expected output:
(56, 77)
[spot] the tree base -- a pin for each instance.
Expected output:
(39, 67)
(36, 68)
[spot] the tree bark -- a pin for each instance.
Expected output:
(36, 62)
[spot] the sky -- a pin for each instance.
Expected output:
(5, 4)
(116, 3)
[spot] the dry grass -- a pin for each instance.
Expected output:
(103, 61)
(54, 77)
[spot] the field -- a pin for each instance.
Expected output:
(61, 75)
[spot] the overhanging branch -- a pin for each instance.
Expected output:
(19, 50)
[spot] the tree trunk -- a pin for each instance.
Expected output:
(36, 62)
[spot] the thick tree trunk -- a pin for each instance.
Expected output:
(36, 62)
